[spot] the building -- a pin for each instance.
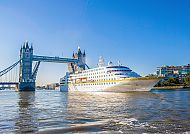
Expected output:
(180, 72)
(52, 86)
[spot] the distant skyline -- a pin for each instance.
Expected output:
(142, 34)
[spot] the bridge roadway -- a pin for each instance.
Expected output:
(53, 59)
(9, 83)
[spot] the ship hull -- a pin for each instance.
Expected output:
(139, 84)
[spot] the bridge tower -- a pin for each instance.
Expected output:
(81, 57)
(26, 81)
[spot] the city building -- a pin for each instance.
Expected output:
(180, 72)
(52, 86)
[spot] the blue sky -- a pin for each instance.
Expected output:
(142, 34)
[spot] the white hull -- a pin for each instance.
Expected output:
(123, 86)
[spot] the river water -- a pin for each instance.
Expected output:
(158, 111)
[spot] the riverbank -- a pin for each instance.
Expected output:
(170, 87)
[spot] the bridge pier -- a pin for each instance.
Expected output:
(27, 86)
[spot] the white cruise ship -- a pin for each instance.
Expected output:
(110, 78)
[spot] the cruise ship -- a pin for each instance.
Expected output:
(103, 78)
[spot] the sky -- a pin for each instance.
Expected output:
(141, 34)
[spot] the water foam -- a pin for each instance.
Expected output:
(132, 122)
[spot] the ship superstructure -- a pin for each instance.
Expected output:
(113, 78)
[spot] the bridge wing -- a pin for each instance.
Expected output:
(54, 59)
(35, 70)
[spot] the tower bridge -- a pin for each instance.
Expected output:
(28, 73)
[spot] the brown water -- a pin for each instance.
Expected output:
(58, 112)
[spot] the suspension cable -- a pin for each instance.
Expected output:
(8, 69)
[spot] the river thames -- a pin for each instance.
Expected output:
(49, 111)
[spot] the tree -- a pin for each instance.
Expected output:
(173, 80)
(187, 80)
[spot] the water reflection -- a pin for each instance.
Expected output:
(133, 112)
(27, 120)
(97, 106)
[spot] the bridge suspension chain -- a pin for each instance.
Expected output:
(9, 77)
(8, 69)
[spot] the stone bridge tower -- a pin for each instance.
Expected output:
(26, 81)
(73, 67)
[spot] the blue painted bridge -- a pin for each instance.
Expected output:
(27, 73)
